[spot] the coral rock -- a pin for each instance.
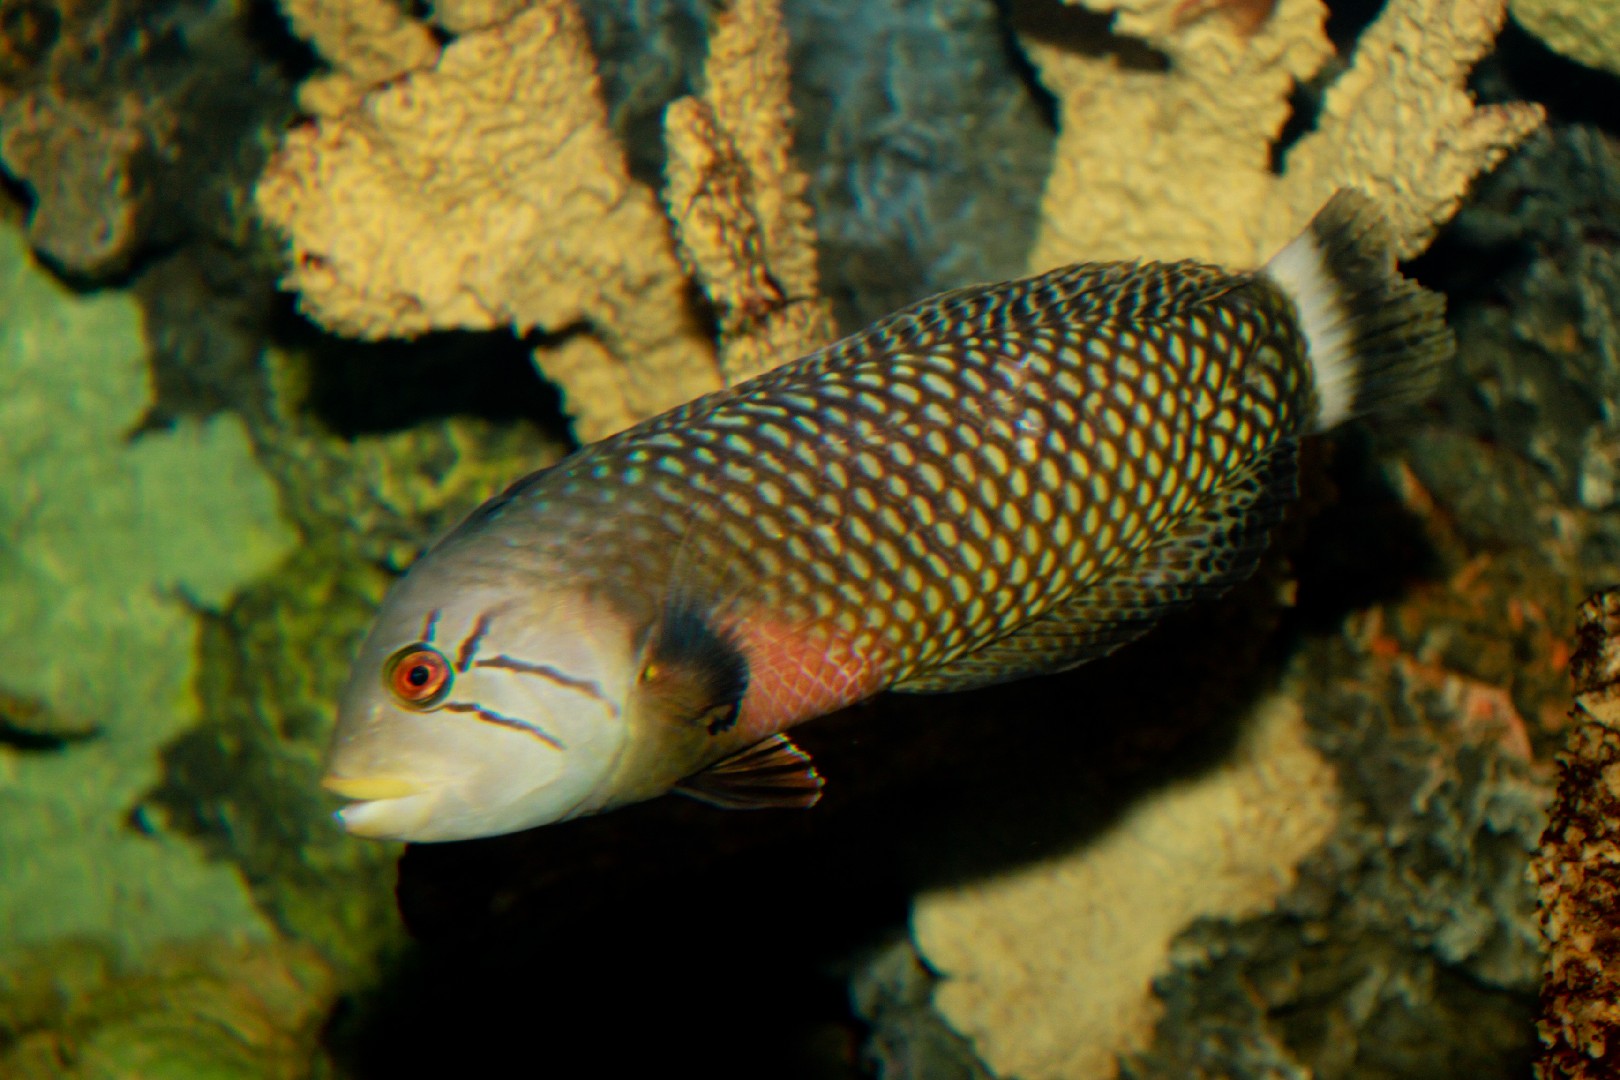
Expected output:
(1576, 869)
(487, 191)
(1168, 124)
(108, 546)
(1038, 968)
(1583, 30)
(738, 199)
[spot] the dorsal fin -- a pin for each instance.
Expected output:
(773, 773)
(1214, 549)
(1127, 292)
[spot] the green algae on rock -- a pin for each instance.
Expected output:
(193, 1012)
(110, 538)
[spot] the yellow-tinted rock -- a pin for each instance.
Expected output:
(1587, 31)
(1048, 968)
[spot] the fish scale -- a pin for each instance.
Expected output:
(926, 487)
(997, 482)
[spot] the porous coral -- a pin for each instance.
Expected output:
(737, 198)
(1583, 30)
(1580, 1003)
(1019, 954)
(1169, 116)
(485, 190)
(110, 541)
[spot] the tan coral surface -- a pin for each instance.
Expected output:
(1584, 30)
(487, 191)
(368, 41)
(1046, 968)
(1172, 160)
(738, 199)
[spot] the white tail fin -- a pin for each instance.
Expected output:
(1374, 338)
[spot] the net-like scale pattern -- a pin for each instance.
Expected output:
(925, 487)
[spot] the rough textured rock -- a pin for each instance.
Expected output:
(737, 198)
(134, 127)
(1580, 1000)
(1407, 946)
(1167, 119)
(1541, 375)
(926, 150)
(110, 546)
(1584, 30)
(486, 191)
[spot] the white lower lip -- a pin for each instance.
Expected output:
(387, 819)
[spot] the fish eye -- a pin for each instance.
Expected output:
(418, 675)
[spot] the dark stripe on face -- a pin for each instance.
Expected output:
(550, 674)
(429, 626)
(505, 721)
(469, 647)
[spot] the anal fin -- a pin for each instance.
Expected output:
(771, 774)
(1216, 547)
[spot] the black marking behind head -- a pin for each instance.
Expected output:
(702, 673)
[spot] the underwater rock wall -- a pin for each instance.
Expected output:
(191, 545)
(110, 548)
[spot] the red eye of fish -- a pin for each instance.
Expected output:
(418, 675)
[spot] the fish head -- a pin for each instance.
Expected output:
(477, 708)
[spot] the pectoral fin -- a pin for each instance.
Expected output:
(771, 774)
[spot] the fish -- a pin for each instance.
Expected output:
(1001, 481)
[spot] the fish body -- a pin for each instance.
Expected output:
(997, 482)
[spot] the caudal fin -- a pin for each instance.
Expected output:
(1374, 338)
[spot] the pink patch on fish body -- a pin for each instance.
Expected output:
(797, 673)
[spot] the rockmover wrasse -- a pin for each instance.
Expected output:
(996, 482)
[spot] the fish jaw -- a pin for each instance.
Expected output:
(380, 807)
(406, 817)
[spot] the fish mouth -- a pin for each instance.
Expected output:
(382, 807)
(369, 788)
